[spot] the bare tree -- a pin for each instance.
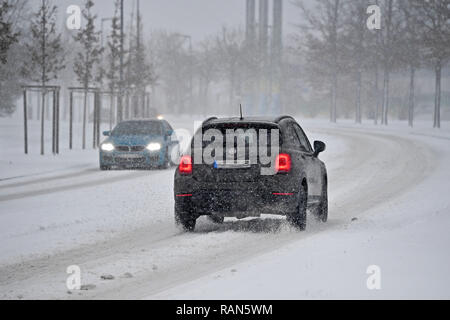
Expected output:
(356, 42)
(230, 44)
(46, 52)
(88, 58)
(140, 70)
(113, 58)
(9, 36)
(433, 17)
(207, 69)
(389, 50)
(171, 61)
(321, 31)
(411, 48)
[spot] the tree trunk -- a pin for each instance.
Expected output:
(127, 106)
(42, 122)
(111, 108)
(38, 105)
(143, 104)
(437, 103)
(411, 97)
(377, 97)
(387, 57)
(385, 105)
(358, 98)
(334, 99)
(47, 109)
(205, 98)
(30, 109)
(232, 81)
(85, 117)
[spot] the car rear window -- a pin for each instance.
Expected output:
(242, 130)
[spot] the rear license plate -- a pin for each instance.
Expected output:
(233, 164)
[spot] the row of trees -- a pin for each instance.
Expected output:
(216, 72)
(336, 47)
(333, 61)
(55, 56)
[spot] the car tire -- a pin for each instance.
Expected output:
(185, 220)
(217, 219)
(321, 212)
(105, 168)
(298, 218)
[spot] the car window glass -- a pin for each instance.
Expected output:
(291, 137)
(168, 126)
(303, 139)
(138, 128)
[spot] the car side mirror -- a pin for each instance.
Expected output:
(107, 133)
(319, 147)
(169, 133)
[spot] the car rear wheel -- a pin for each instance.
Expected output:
(185, 220)
(105, 168)
(298, 218)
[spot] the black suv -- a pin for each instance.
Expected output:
(245, 167)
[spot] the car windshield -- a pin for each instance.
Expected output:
(138, 128)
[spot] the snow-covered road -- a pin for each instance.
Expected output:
(394, 182)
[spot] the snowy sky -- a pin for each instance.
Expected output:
(194, 17)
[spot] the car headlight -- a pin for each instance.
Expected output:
(154, 147)
(108, 147)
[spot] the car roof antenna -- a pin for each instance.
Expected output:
(242, 117)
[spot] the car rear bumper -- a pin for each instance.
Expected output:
(237, 203)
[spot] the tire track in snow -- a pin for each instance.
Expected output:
(76, 186)
(48, 179)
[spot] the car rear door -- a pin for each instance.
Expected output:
(314, 172)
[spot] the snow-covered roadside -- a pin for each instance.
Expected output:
(16, 166)
(406, 237)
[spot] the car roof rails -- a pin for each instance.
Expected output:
(279, 119)
(209, 120)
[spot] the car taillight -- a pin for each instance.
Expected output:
(186, 165)
(283, 163)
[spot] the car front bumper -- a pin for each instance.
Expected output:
(131, 159)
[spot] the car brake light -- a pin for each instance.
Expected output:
(186, 165)
(283, 163)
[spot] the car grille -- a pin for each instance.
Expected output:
(130, 149)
